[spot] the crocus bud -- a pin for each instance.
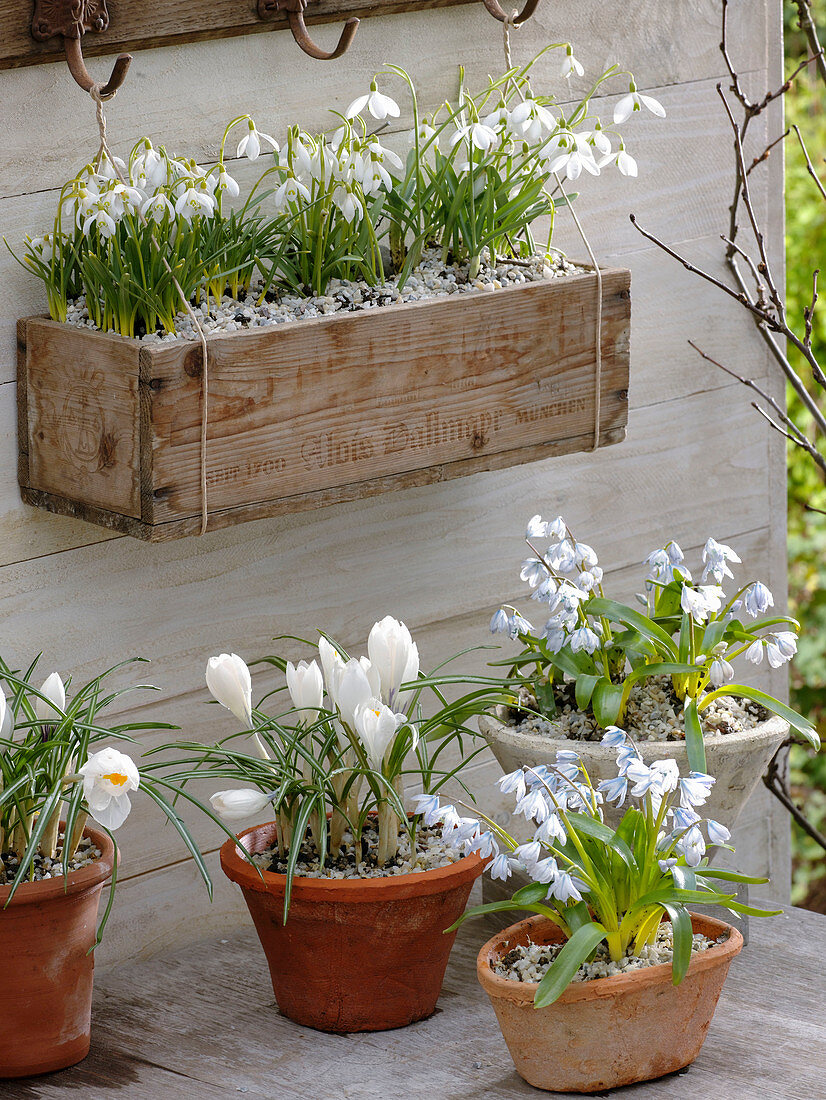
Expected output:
(358, 681)
(229, 682)
(306, 688)
(54, 691)
(332, 663)
(239, 805)
(4, 713)
(394, 654)
(108, 776)
(376, 726)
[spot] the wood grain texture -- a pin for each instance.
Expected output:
(330, 409)
(201, 1023)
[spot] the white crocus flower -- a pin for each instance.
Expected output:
(570, 65)
(376, 726)
(635, 101)
(357, 682)
(306, 687)
(230, 683)
(55, 693)
(701, 601)
(332, 664)
(380, 106)
(108, 777)
(395, 656)
(238, 805)
(250, 144)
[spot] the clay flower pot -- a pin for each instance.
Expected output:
(46, 978)
(609, 1032)
(736, 760)
(355, 954)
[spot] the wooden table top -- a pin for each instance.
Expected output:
(202, 1024)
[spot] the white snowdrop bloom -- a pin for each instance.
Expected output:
(716, 555)
(757, 599)
(108, 777)
(598, 139)
(701, 601)
(289, 191)
(635, 101)
(626, 163)
(114, 169)
(157, 208)
(476, 134)
(106, 224)
(574, 160)
(500, 119)
(347, 203)
(250, 145)
(229, 682)
(224, 183)
(195, 203)
(721, 672)
(238, 805)
(530, 120)
(570, 65)
(52, 707)
(380, 106)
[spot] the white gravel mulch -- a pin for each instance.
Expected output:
(43, 868)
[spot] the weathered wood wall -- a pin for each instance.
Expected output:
(697, 461)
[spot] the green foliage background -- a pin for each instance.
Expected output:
(805, 250)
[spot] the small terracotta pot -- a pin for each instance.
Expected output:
(46, 976)
(608, 1032)
(355, 954)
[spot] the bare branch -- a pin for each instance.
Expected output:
(767, 151)
(776, 783)
(809, 28)
(809, 165)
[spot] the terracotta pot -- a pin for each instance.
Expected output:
(46, 977)
(355, 954)
(736, 760)
(611, 1031)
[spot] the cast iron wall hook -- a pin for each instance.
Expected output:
(496, 11)
(294, 10)
(72, 19)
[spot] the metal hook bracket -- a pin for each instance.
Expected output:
(294, 10)
(72, 19)
(495, 9)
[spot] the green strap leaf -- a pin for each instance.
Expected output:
(619, 613)
(694, 744)
(607, 702)
(799, 724)
(682, 932)
(581, 944)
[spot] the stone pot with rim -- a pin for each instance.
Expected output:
(46, 979)
(355, 954)
(608, 1032)
(736, 760)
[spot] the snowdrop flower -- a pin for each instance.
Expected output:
(106, 224)
(501, 867)
(717, 833)
(195, 202)
(500, 623)
(614, 790)
(238, 805)
(108, 776)
(721, 672)
(695, 789)
(757, 599)
(290, 191)
(250, 144)
(229, 682)
(716, 555)
(157, 208)
(570, 65)
(395, 657)
(571, 152)
(567, 887)
(306, 687)
(225, 183)
(513, 783)
(476, 134)
(626, 163)
(380, 106)
(357, 681)
(635, 101)
(534, 805)
(701, 601)
(111, 169)
(376, 725)
(518, 624)
(528, 854)
(428, 806)
(584, 639)
(530, 119)
(347, 203)
(55, 693)
(693, 846)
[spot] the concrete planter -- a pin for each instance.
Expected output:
(736, 760)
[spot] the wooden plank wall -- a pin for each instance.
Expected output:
(697, 460)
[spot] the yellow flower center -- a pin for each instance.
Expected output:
(116, 779)
(377, 713)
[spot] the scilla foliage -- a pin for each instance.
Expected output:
(597, 884)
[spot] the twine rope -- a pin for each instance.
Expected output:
(104, 151)
(508, 24)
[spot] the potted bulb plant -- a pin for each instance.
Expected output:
(57, 770)
(612, 980)
(663, 670)
(349, 893)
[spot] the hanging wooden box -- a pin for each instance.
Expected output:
(319, 411)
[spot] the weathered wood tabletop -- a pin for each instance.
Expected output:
(202, 1024)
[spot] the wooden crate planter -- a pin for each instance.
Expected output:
(319, 411)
